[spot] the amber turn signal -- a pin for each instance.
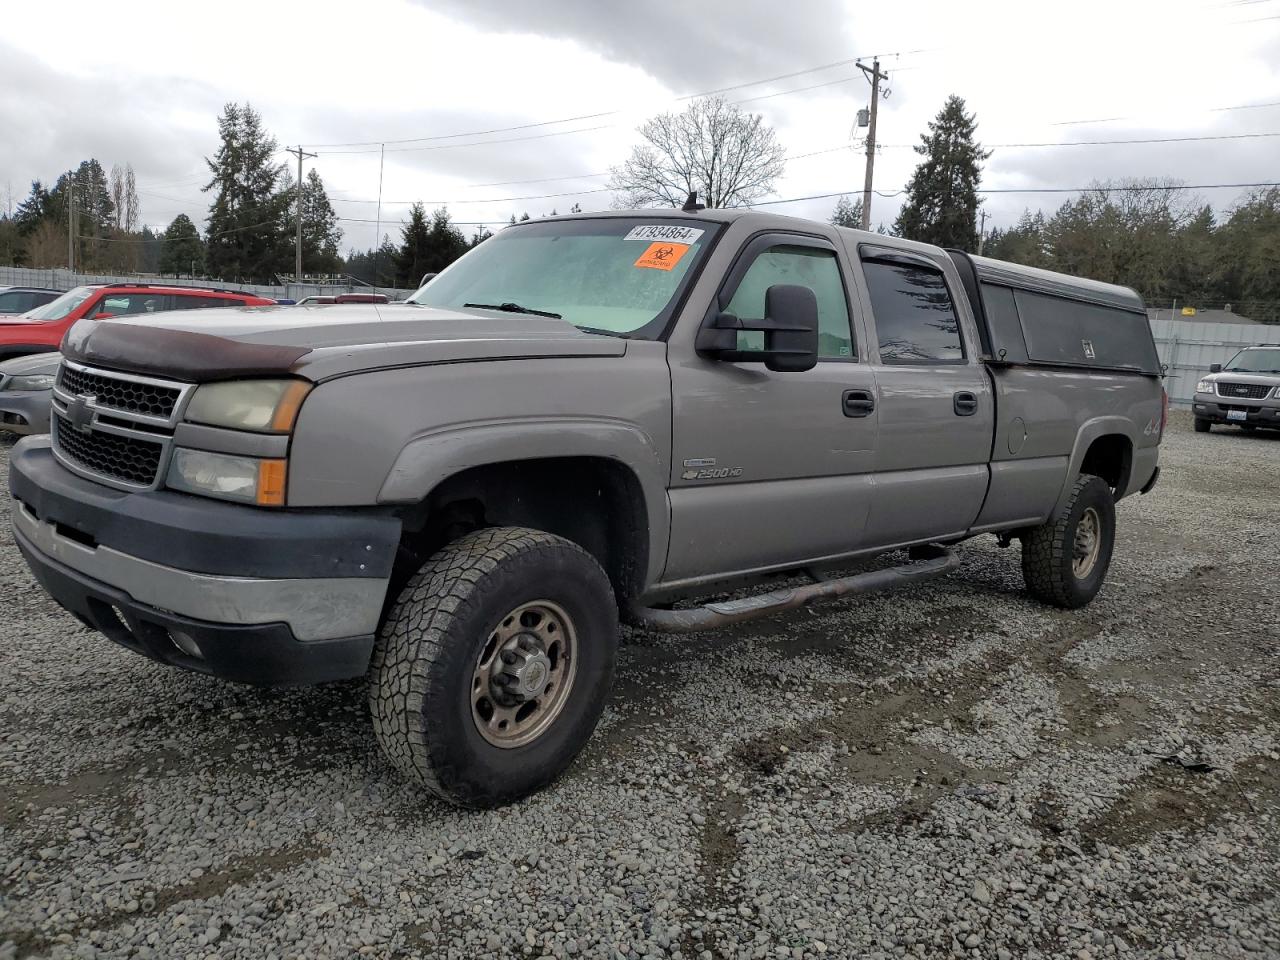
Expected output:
(271, 482)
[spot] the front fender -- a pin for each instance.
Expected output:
(433, 457)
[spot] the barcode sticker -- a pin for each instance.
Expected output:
(665, 231)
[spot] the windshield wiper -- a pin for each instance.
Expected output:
(509, 307)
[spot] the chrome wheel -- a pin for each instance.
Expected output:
(1088, 544)
(524, 674)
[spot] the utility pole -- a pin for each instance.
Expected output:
(297, 249)
(874, 76)
(71, 225)
(982, 231)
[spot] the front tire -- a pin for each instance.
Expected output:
(1201, 425)
(1065, 561)
(494, 665)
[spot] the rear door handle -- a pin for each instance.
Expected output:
(858, 403)
(965, 404)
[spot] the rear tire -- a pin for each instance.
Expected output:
(494, 665)
(1201, 425)
(1065, 561)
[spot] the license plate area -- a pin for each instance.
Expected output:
(1237, 415)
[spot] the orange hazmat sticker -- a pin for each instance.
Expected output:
(662, 255)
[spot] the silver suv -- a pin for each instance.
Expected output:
(1245, 393)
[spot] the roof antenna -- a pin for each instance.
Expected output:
(691, 204)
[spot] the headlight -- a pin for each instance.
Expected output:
(37, 381)
(1205, 386)
(265, 406)
(228, 477)
(1277, 393)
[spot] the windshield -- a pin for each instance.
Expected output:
(58, 309)
(615, 275)
(1255, 361)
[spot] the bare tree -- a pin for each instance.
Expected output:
(117, 194)
(132, 209)
(729, 157)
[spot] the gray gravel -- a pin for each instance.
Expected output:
(954, 771)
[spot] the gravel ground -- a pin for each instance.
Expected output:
(953, 771)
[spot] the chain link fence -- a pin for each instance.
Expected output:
(61, 279)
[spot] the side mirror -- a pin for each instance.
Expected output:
(1215, 368)
(790, 327)
(103, 316)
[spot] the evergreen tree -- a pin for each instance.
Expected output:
(245, 236)
(411, 259)
(445, 243)
(942, 195)
(1023, 243)
(848, 213)
(183, 250)
(34, 209)
(320, 231)
(480, 236)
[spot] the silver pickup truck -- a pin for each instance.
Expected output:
(585, 417)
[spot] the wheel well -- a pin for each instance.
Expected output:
(595, 502)
(1111, 458)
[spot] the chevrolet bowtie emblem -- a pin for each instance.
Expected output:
(79, 414)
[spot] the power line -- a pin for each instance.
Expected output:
(610, 113)
(1100, 143)
(1100, 189)
(595, 190)
(1242, 106)
(163, 239)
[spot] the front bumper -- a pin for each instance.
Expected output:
(25, 413)
(264, 597)
(1216, 409)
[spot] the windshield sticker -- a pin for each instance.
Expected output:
(663, 231)
(662, 256)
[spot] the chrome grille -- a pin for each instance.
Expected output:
(116, 428)
(125, 459)
(1244, 391)
(134, 396)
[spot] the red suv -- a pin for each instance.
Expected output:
(40, 330)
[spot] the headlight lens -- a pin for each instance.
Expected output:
(1277, 393)
(37, 381)
(1205, 386)
(265, 406)
(228, 477)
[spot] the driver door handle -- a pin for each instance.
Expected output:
(965, 404)
(858, 403)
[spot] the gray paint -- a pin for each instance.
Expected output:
(408, 397)
(327, 608)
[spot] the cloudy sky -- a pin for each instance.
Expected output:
(428, 77)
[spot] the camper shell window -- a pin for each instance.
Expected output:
(1031, 316)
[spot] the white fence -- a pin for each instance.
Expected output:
(1187, 348)
(58, 279)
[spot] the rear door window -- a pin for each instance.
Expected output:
(132, 304)
(915, 317)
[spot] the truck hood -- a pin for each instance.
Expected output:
(323, 341)
(1257, 379)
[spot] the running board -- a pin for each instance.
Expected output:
(935, 561)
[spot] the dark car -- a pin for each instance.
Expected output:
(26, 390)
(15, 300)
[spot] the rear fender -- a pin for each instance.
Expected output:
(1090, 431)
